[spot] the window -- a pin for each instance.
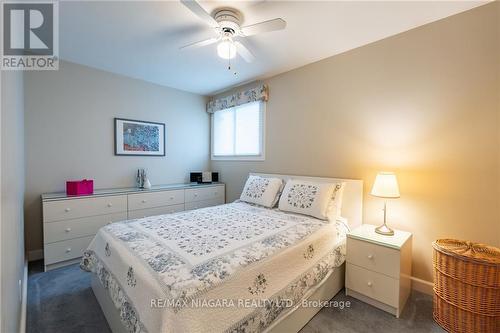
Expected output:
(238, 132)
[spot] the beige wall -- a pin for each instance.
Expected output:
(424, 103)
(69, 133)
(11, 203)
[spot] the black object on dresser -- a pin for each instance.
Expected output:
(203, 177)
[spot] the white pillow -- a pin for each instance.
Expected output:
(309, 198)
(262, 191)
(335, 205)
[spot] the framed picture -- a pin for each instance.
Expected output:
(139, 138)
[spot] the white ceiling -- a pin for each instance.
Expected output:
(142, 39)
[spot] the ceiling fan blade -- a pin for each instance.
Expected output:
(196, 8)
(244, 52)
(201, 43)
(266, 26)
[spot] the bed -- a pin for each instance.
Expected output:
(230, 268)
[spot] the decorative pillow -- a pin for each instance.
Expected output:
(309, 198)
(262, 191)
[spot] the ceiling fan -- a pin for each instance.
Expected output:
(227, 24)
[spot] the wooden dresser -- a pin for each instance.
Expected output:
(70, 223)
(378, 268)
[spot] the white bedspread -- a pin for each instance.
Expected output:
(233, 267)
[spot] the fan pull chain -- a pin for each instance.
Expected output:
(229, 67)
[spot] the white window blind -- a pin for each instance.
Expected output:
(238, 132)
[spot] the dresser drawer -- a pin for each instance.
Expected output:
(204, 193)
(374, 285)
(204, 203)
(137, 214)
(83, 207)
(373, 257)
(86, 226)
(155, 199)
(66, 250)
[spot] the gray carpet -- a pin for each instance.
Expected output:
(61, 300)
(361, 317)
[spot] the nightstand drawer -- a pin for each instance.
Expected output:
(373, 257)
(374, 285)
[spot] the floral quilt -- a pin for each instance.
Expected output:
(231, 252)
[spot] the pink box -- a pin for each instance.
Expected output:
(80, 187)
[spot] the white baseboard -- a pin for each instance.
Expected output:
(24, 301)
(422, 285)
(35, 255)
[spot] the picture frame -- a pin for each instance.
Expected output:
(139, 138)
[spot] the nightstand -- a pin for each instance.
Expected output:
(378, 268)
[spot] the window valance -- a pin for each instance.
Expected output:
(259, 93)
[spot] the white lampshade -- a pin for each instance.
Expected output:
(226, 49)
(385, 185)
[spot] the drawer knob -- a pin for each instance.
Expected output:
(67, 229)
(370, 256)
(110, 204)
(143, 201)
(196, 194)
(68, 250)
(171, 198)
(67, 210)
(369, 284)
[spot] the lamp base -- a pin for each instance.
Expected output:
(384, 230)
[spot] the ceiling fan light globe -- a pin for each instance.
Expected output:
(226, 50)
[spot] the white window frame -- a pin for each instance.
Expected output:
(260, 157)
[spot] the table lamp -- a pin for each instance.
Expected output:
(385, 186)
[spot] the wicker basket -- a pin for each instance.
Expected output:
(466, 286)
